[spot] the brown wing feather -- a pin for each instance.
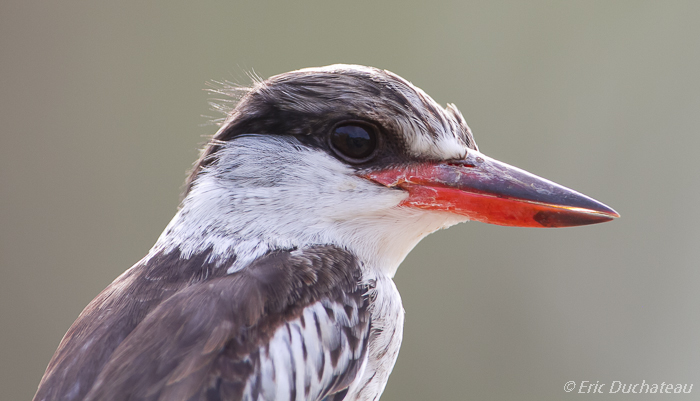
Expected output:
(113, 314)
(203, 341)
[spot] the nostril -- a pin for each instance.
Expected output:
(461, 163)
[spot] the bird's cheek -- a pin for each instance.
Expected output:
(348, 185)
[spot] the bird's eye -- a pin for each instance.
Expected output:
(355, 142)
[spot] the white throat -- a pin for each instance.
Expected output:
(271, 192)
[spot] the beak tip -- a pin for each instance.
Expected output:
(575, 216)
(608, 211)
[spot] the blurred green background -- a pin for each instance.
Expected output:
(102, 111)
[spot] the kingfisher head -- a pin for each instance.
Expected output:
(357, 157)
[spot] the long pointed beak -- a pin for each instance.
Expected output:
(490, 191)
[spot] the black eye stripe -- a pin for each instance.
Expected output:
(354, 142)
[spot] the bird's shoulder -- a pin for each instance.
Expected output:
(292, 322)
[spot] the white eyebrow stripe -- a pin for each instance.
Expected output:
(433, 137)
(431, 131)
